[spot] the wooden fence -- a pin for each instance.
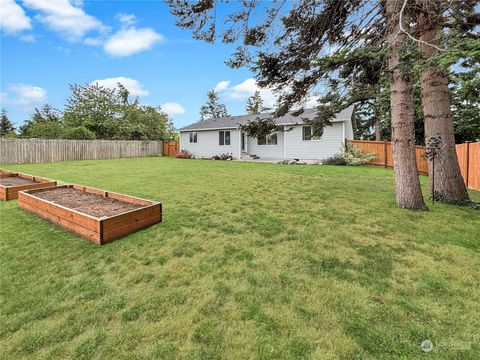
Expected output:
(54, 150)
(171, 148)
(468, 157)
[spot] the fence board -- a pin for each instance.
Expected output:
(170, 148)
(468, 158)
(54, 150)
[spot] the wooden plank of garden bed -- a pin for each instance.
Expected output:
(11, 192)
(114, 228)
(58, 210)
(64, 223)
(110, 223)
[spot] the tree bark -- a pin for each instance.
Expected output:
(407, 183)
(378, 124)
(448, 182)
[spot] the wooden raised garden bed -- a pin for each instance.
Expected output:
(97, 215)
(12, 183)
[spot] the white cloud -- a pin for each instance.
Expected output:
(245, 89)
(65, 17)
(24, 95)
(172, 108)
(222, 85)
(127, 19)
(13, 18)
(130, 41)
(132, 85)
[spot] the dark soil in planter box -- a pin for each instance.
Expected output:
(12, 183)
(15, 181)
(87, 203)
(97, 215)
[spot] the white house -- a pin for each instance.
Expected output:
(224, 135)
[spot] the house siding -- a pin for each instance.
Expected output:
(207, 143)
(329, 144)
(348, 130)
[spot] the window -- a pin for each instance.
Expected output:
(270, 139)
(224, 137)
(193, 137)
(307, 134)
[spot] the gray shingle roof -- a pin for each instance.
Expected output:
(232, 122)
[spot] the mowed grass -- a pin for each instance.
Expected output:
(252, 261)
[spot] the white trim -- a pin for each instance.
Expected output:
(284, 143)
(343, 139)
(240, 145)
(212, 129)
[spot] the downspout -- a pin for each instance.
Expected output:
(343, 139)
(284, 143)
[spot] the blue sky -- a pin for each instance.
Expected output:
(48, 44)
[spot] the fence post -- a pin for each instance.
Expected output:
(385, 153)
(468, 163)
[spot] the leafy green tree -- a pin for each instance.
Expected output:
(45, 123)
(255, 104)
(95, 108)
(112, 114)
(145, 123)
(6, 126)
(213, 108)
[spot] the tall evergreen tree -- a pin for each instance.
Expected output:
(6, 126)
(448, 181)
(255, 104)
(213, 108)
(465, 90)
(407, 184)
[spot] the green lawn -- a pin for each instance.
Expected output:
(252, 261)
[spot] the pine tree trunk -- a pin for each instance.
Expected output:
(407, 183)
(378, 130)
(378, 125)
(448, 181)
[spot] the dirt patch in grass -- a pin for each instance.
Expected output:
(15, 181)
(87, 203)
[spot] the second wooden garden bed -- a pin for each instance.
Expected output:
(12, 183)
(97, 215)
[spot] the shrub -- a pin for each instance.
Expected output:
(351, 155)
(223, 157)
(78, 133)
(184, 154)
(336, 159)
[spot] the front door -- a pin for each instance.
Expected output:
(244, 139)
